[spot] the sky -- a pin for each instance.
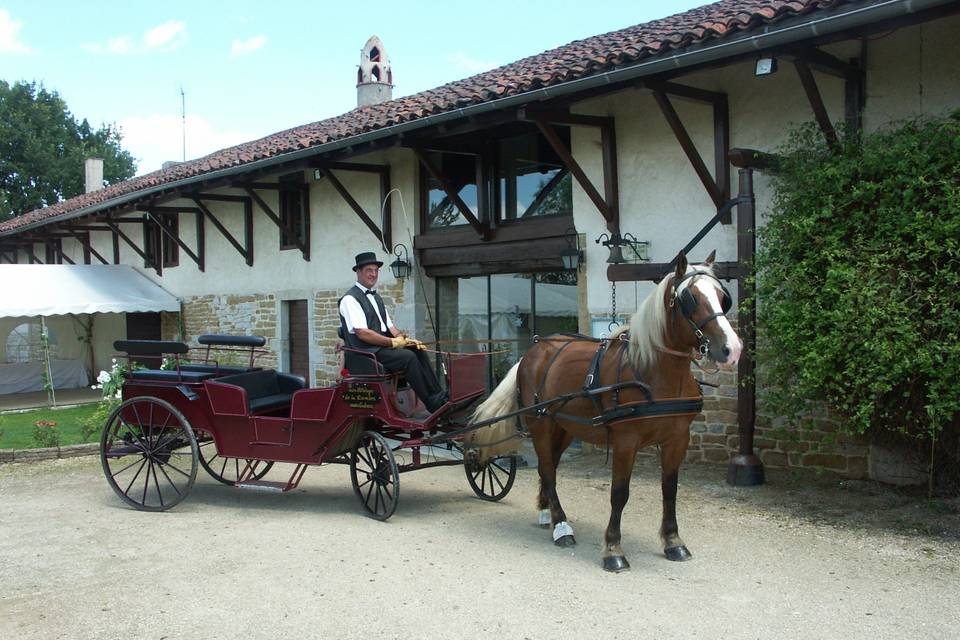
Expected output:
(252, 68)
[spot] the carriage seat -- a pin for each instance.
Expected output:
(218, 370)
(161, 375)
(266, 390)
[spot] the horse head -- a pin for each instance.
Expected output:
(698, 296)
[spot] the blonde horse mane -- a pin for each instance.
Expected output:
(648, 326)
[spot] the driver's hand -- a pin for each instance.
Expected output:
(398, 342)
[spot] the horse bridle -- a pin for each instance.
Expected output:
(688, 305)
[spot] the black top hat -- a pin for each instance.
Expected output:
(365, 258)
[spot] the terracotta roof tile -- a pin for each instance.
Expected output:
(575, 60)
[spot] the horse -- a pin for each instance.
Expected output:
(643, 367)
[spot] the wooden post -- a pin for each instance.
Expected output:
(746, 469)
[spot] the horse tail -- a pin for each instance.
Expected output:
(500, 437)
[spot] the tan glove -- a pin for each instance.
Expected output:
(399, 342)
(416, 344)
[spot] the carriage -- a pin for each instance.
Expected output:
(199, 408)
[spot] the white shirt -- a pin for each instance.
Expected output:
(354, 316)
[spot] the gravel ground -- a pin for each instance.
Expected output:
(804, 556)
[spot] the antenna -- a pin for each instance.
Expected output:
(183, 117)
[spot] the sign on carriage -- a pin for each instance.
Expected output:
(361, 396)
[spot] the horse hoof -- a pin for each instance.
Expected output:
(565, 541)
(677, 554)
(615, 564)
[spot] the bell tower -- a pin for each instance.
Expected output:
(374, 76)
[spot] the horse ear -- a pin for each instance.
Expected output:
(710, 258)
(681, 264)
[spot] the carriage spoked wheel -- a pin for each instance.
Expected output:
(149, 454)
(373, 471)
(493, 480)
(226, 470)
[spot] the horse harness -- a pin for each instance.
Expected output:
(688, 305)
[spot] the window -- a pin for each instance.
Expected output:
(54, 251)
(523, 178)
(171, 250)
(152, 243)
(460, 173)
(86, 246)
(531, 178)
(24, 344)
(294, 208)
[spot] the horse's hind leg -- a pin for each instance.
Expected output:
(550, 442)
(623, 459)
(671, 455)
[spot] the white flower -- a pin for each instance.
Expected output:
(113, 360)
(104, 377)
(118, 394)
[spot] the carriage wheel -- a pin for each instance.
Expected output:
(373, 471)
(493, 480)
(226, 470)
(149, 454)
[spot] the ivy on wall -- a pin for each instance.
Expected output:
(858, 278)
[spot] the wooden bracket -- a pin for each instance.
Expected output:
(304, 249)
(153, 212)
(816, 102)
(245, 250)
(156, 264)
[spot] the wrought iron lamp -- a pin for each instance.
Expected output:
(401, 267)
(615, 242)
(572, 255)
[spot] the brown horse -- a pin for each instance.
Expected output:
(683, 316)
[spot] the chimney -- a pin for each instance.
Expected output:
(93, 174)
(374, 77)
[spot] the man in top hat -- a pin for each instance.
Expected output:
(366, 326)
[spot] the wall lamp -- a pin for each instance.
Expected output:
(572, 255)
(401, 267)
(615, 242)
(766, 66)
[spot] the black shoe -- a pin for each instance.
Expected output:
(436, 401)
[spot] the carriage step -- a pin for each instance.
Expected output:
(264, 485)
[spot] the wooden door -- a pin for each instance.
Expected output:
(298, 354)
(144, 326)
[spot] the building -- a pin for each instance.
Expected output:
(487, 180)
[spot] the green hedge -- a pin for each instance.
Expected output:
(858, 278)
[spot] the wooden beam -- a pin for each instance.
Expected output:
(819, 60)
(559, 116)
(743, 158)
(654, 271)
(386, 209)
(454, 197)
(218, 197)
(574, 168)
(353, 204)
(363, 167)
(85, 241)
(816, 102)
(686, 143)
(683, 91)
(611, 188)
(721, 151)
(156, 264)
(175, 237)
(291, 235)
(245, 252)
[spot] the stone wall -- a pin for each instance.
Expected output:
(234, 315)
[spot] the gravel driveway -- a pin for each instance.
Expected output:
(805, 556)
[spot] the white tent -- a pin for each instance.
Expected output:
(66, 297)
(60, 289)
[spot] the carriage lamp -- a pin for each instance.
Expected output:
(401, 266)
(572, 255)
(616, 242)
(766, 66)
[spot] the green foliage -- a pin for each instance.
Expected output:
(43, 148)
(858, 278)
(91, 425)
(45, 434)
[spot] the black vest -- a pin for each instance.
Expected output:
(373, 322)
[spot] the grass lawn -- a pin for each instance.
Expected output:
(16, 429)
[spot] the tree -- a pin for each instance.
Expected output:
(43, 147)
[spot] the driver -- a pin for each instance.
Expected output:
(366, 326)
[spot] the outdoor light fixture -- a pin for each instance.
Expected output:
(616, 242)
(766, 66)
(572, 256)
(401, 266)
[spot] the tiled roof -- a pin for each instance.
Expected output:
(573, 61)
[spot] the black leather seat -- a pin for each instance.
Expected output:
(266, 390)
(158, 375)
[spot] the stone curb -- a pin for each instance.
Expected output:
(51, 453)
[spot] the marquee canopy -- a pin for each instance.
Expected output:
(60, 289)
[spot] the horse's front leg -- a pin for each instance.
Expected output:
(624, 455)
(671, 455)
(549, 441)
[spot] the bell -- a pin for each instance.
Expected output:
(616, 255)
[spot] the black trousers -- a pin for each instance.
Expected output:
(417, 368)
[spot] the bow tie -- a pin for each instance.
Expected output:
(371, 292)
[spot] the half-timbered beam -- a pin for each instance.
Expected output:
(575, 169)
(454, 197)
(353, 204)
(176, 238)
(156, 263)
(816, 101)
(246, 250)
(290, 233)
(84, 239)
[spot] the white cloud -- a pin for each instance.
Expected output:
(471, 65)
(243, 47)
(156, 138)
(165, 37)
(9, 41)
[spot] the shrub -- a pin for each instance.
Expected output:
(45, 434)
(858, 270)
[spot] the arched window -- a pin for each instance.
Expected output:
(389, 76)
(359, 76)
(374, 55)
(23, 343)
(375, 73)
